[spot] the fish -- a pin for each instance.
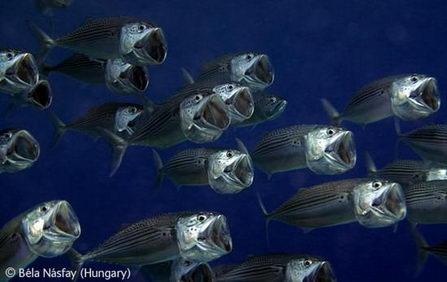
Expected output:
(19, 150)
(136, 41)
(19, 71)
(340, 202)
(124, 116)
(428, 142)
(124, 78)
(407, 97)
(247, 68)
(47, 230)
(323, 149)
(278, 268)
(406, 172)
(226, 171)
(438, 250)
(40, 97)
(427, 202)
(196, 237)
(46, 7)
(267, 107)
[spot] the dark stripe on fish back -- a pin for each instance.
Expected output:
(369, 91)
(425, 191)
(430, 134)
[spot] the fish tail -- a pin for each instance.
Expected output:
(266, 215)
(119, 147)
(77, 260)
(370, 165)
(333, 114)
(159, 169)
(421, 245)
(59, 127)
(45, 41)
(187, 76)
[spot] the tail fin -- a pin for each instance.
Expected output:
(159, 169)
(422, 245)
(77, 261)
(267, 217)
(46, 42)
(59, 127)
(333, 114)
(119, 146)
(370, 165)
(187, 76)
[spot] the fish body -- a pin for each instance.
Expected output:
(278, 268)
(137, 41)
(323, 149)
(267, 107)
(427, 202)
(46, 230)
(250, 69)
(407, 97)
(429, 142)
(18, 150)
(18, 71)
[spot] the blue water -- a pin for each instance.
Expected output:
(318, 48)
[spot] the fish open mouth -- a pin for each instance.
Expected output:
(430, 95)
(345, 150)
(324, 273)
(25, 147)
(27, 71)
(138, 77)
(394, 202)
(278, 109)
(262, 70)
(220, 234)
(65, 221)
(244, 171)
(154, 46)
(243, 103)
(214, 113)
(41, 95)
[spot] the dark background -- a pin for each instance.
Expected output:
(318, 48)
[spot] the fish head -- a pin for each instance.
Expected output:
(253, 70)
(51, 228)
(18, 150)
(309, 269)
(18, 71)
(238, 99)
(203, 118)
(330, 150)
(271, 106)
(125, 116)
(41, 95)
(143, 44)
(436, 174)
(125, 78)
(379, 203)
(415, 96)
(203, 237)
(230, 171)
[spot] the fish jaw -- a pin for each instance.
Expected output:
(203, 237)
(149, 48)
(415, 97)
(379, 203)
(19, 150)
(125, 78)
(51, 229)
(238, 99)
(19, 74)
(41, 95)
(330, 154)
(253, 70)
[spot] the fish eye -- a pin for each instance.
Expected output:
(330, 131)
(307, 262)
(377, 184)
(201, 218)
(141, 27)
(414, 79)
(230, 87)
(249, 57)
(229, 154)
(198, 97)
(273, 100)
(7, 135)
(9, 56)
(44, 209)
(133, 110)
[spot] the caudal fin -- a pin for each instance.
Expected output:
(370, 165)
(77, 261)
(45, 41)
(267, 217)
(333, 114)
(119, 146)
(158, 168)
(422, 248)
(59, 127)
(187, 76)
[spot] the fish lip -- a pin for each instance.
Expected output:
(220, 234)
(344, 154)
(23, 147)
(137, 77)
(154, 46)
(25, 70)
(243, 171)
(394, 203)
(324, 273)
(65, 223)
(243, 103)
(261, 70)
(278, 109)
(213, 113)
(429, 95)
(41, 95)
